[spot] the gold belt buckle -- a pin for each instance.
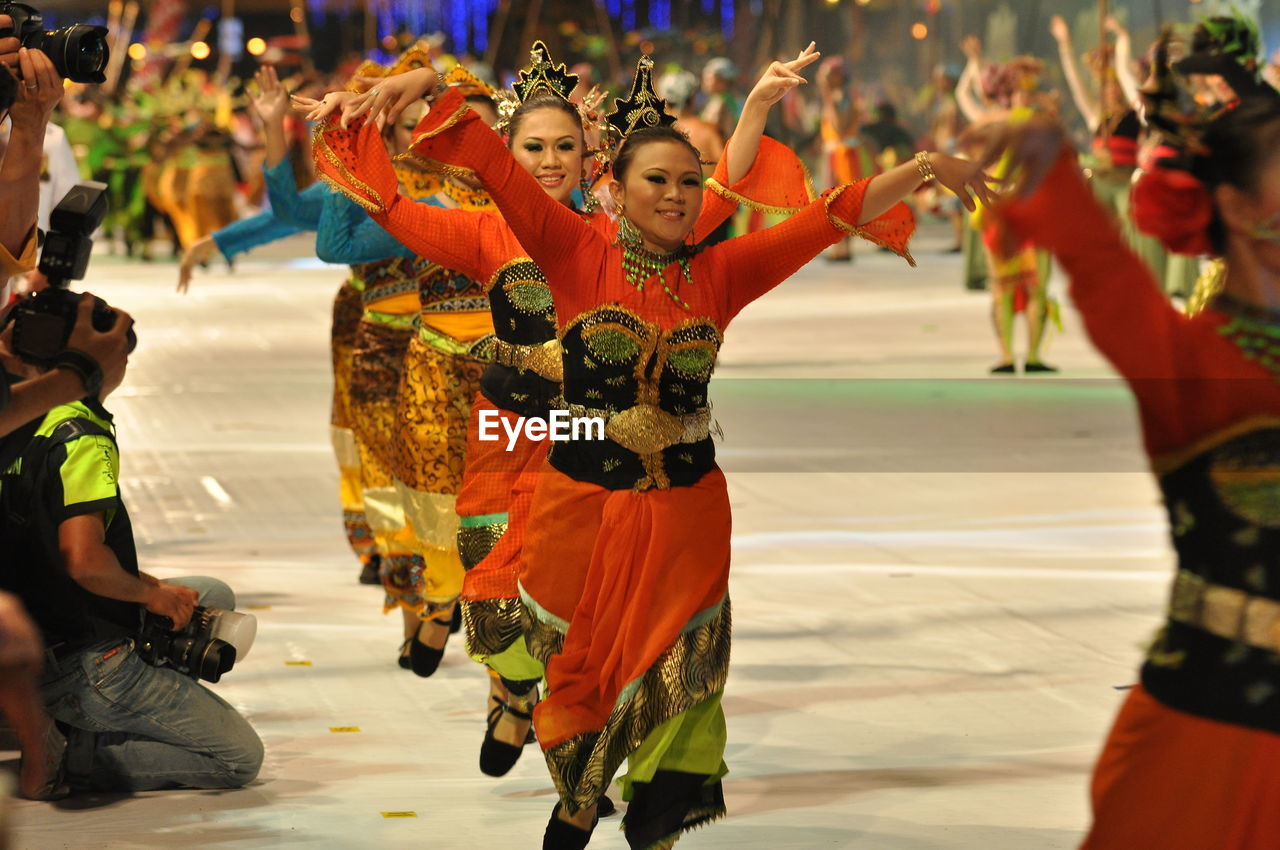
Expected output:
(644, 429)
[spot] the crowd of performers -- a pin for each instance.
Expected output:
(517, 252)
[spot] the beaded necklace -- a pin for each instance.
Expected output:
(1254, 330)
(639, 264)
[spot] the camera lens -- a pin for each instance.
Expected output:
(78, 52)
(92, 55)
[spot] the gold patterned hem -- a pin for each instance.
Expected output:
(323, 149)
(439, 167)
(477, 541)
(728, 194)
(491, 625)
(693, 669)
(855, 230)
(445, 125)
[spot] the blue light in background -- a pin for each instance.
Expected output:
(726, 17)
(461, 21)
(660, 14)
(628, 14)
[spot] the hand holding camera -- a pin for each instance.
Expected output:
(109, 349)
(39, 89)
(172, 601)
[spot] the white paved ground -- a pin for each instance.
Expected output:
(940, 578)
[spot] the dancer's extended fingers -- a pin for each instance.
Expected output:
(403, 102)
(978, 185)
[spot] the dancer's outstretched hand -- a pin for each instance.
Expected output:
(388, 98)
(272, 101)
(966, 180)
(200, 251)
(1032, 146)
(782, 77)
(318, 110)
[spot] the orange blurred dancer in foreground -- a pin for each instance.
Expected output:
(1193, 759)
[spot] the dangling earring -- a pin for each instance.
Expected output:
(628, 235)
(590, 203)
(1267, 230)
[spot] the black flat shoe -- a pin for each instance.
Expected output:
(403, 659)
(1030, 367)
(498, 757)
(561, 835)
(425, 659)
(1004, 369)
(605, 807)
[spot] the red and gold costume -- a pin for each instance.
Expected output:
(1193, 760)
(626, 557)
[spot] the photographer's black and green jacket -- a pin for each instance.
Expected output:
(63, 466)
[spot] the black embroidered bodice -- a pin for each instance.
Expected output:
(1217, 655)
(525, 375)
(650, 384)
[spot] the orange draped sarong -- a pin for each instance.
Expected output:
(636, 569)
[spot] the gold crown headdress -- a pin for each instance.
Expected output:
(643, 108)
(417, 56)
(367, 68)
(467, 83)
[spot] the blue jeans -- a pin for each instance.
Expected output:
(136, 727)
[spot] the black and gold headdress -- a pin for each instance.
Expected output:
(544, 76)
(643, 108)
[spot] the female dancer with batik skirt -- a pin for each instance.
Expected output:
(298, 216)
(406, 444)
(625, 562)
(1193, 760)
(546, 137)
(451, 342)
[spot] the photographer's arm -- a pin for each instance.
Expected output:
(93, 566)
(37, 396)
(39, 90)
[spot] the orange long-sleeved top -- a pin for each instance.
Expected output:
(1191, 382)
(483, 246)
(578, 257)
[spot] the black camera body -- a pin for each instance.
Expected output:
(193, 651)
(8, 91)
(43, 321)
(78, 52)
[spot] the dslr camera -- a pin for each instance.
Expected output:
(78, 52)
(42, 322)
(210, 644)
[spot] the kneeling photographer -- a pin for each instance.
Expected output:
(123, 650)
